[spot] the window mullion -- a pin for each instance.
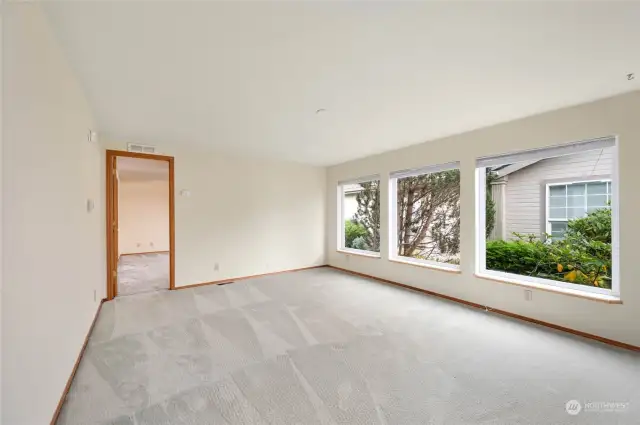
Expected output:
(566, 201)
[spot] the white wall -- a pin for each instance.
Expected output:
(143, 216)
(1, 197)
(250, 216)
(617, 115)
(54, 250)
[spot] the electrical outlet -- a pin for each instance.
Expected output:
(216, 267)
(527, 294)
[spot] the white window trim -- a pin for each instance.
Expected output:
(425, 263)
(547, 219)
(361, 252)
(340, 200)
(535, 282)
(393, 214)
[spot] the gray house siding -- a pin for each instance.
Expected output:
(525, 189)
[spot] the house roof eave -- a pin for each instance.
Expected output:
(515, 167)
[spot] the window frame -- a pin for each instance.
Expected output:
(548, 185)
(393, 214)
(341, 220)
(535, 282)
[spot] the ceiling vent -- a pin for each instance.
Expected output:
(135, 147)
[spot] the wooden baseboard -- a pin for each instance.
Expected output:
(141, 253)
(56, 414)
(233, 279)
(504, 313)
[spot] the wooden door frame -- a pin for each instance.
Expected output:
(112, 260)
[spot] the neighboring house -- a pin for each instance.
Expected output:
(537, 197)
(350, 203)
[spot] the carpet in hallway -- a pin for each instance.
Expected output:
(139, 273)
(325, 347)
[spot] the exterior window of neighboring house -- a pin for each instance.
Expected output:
(425, 216)
(566, 191)
(359, 215)
(567, 201)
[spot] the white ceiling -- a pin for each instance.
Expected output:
(247, 77)
(138, 169)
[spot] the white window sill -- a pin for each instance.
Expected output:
(369, 254)
(610, 299)
(433, 266)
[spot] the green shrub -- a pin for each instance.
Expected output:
(353, 230)
(360, 243)
(562, 260)
(517, 256)
(595, 226)
(583, 260)
(583, 256)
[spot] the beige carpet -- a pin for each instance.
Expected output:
(143, 273)
(325, 347)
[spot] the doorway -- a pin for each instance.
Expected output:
(140, 223)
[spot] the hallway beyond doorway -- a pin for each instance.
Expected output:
(140, 219)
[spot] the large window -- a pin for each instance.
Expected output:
(549, 217)
(569, 201)
(425, 215)
(359, 214)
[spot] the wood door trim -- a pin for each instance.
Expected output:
(112, 260)
(109, 227)
(116, 220)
